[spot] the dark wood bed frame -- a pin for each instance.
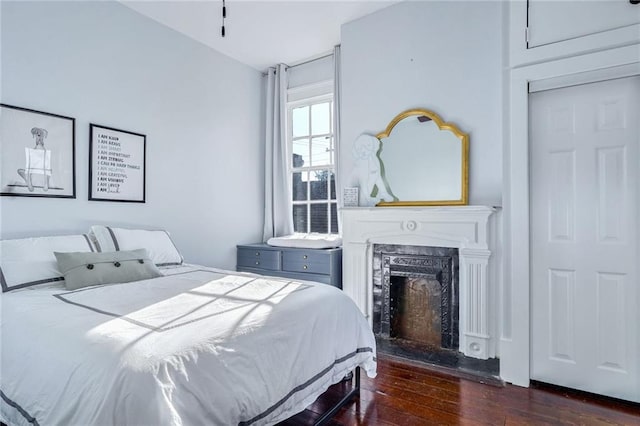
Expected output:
(354, 392)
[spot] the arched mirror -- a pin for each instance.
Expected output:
(423, 161)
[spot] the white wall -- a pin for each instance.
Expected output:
(442, 56)
(103, 63)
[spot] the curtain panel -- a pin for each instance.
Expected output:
(337, 98)
(278, 215)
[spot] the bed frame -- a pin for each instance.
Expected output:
(354, 392)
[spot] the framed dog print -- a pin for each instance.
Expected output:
(37, 158)
(117, 166)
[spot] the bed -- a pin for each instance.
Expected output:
(195, 346)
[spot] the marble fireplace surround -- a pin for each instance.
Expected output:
(463, 227)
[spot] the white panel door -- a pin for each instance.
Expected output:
(560, 20)
(585, 294)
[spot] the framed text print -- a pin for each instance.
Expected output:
(37, 155)
(116, 165)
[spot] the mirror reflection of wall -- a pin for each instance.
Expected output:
(421, 162)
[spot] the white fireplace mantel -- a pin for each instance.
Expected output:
(463, 227)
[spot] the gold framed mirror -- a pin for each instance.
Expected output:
(424, 161)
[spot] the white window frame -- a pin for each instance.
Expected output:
(308, 96)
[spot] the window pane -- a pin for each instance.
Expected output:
(300, 121)
(300, 186)
(301, 153)
(320, 118)
(319, 184)
(332, 178)
(319, 222)
(300, 218)
(334, 218)
(320, 151)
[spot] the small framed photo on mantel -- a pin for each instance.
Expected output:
(117, 166)
(350, 196)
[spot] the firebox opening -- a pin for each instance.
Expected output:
(416, 310)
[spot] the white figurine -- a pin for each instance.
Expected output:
(368, 170)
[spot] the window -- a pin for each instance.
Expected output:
(312, 165)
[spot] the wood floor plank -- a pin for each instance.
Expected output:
(465, 398)
(381, 409)
(407, 395)
(442, 401)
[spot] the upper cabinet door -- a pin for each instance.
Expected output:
(553, 21)
(545, 30)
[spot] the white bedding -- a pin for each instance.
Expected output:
(199, 346)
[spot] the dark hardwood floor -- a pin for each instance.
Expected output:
(407, 395)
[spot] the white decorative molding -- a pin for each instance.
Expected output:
(461, 227)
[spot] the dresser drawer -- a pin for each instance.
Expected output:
(323, 266)
(256, 258)
(316, 262)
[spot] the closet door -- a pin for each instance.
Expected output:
(585, 296)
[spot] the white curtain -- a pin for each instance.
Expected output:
(337, 94)
(278, 216)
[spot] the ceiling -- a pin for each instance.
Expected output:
(261, 33)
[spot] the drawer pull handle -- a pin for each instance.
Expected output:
(257, 263)
(304, 267)
(304, 257)
(257, 253)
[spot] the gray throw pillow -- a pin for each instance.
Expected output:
(82, 269)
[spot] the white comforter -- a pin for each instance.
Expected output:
(197, 347)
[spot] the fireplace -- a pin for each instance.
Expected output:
(463, 230)
(416, 295)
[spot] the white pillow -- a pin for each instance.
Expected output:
(310, 241)
(161, 249)
(30, 261)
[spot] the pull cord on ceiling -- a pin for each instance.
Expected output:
(224, 15)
